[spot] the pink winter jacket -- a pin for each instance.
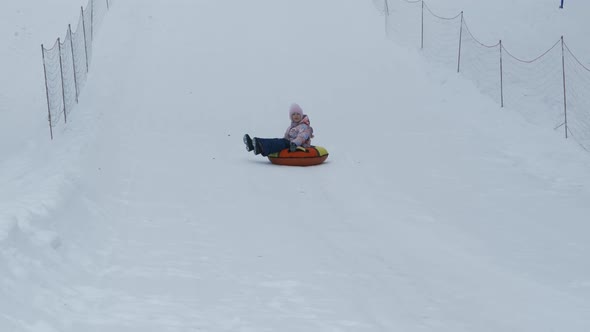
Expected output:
(300, 132)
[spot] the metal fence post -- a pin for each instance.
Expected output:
(501, 78)
(73, 61)
(47, 92)
(61, 70)
(564, 90)
(422, 29)
(84, 32)
(460, 41)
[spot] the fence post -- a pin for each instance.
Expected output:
(107, 4)
(501, 78)
(460, 40)
(47, 92)
(61, 69)
(73, 61)
(422, 29)
(564, 90)
(84, 32)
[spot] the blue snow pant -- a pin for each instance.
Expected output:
(272, 145)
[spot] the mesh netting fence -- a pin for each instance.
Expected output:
(551, 88)
(67, 61)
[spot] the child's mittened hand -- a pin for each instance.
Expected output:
(292, 147)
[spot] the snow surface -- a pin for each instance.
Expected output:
(437, 210)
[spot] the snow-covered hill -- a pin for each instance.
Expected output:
(436, 211)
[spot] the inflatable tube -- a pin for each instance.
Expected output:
(313, 155)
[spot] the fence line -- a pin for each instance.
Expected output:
(550, 88)
(66, 63)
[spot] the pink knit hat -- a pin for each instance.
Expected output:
(295, 109)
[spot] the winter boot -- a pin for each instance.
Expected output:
(248, 142)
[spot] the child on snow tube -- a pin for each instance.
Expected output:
(297, 136)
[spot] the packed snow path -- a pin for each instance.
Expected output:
(427, 216)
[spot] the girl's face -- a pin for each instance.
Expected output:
(296, 117)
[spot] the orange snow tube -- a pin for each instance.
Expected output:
(313, 155)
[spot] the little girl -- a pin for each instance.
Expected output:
(298, 135)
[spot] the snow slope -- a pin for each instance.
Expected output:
(436, 210)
